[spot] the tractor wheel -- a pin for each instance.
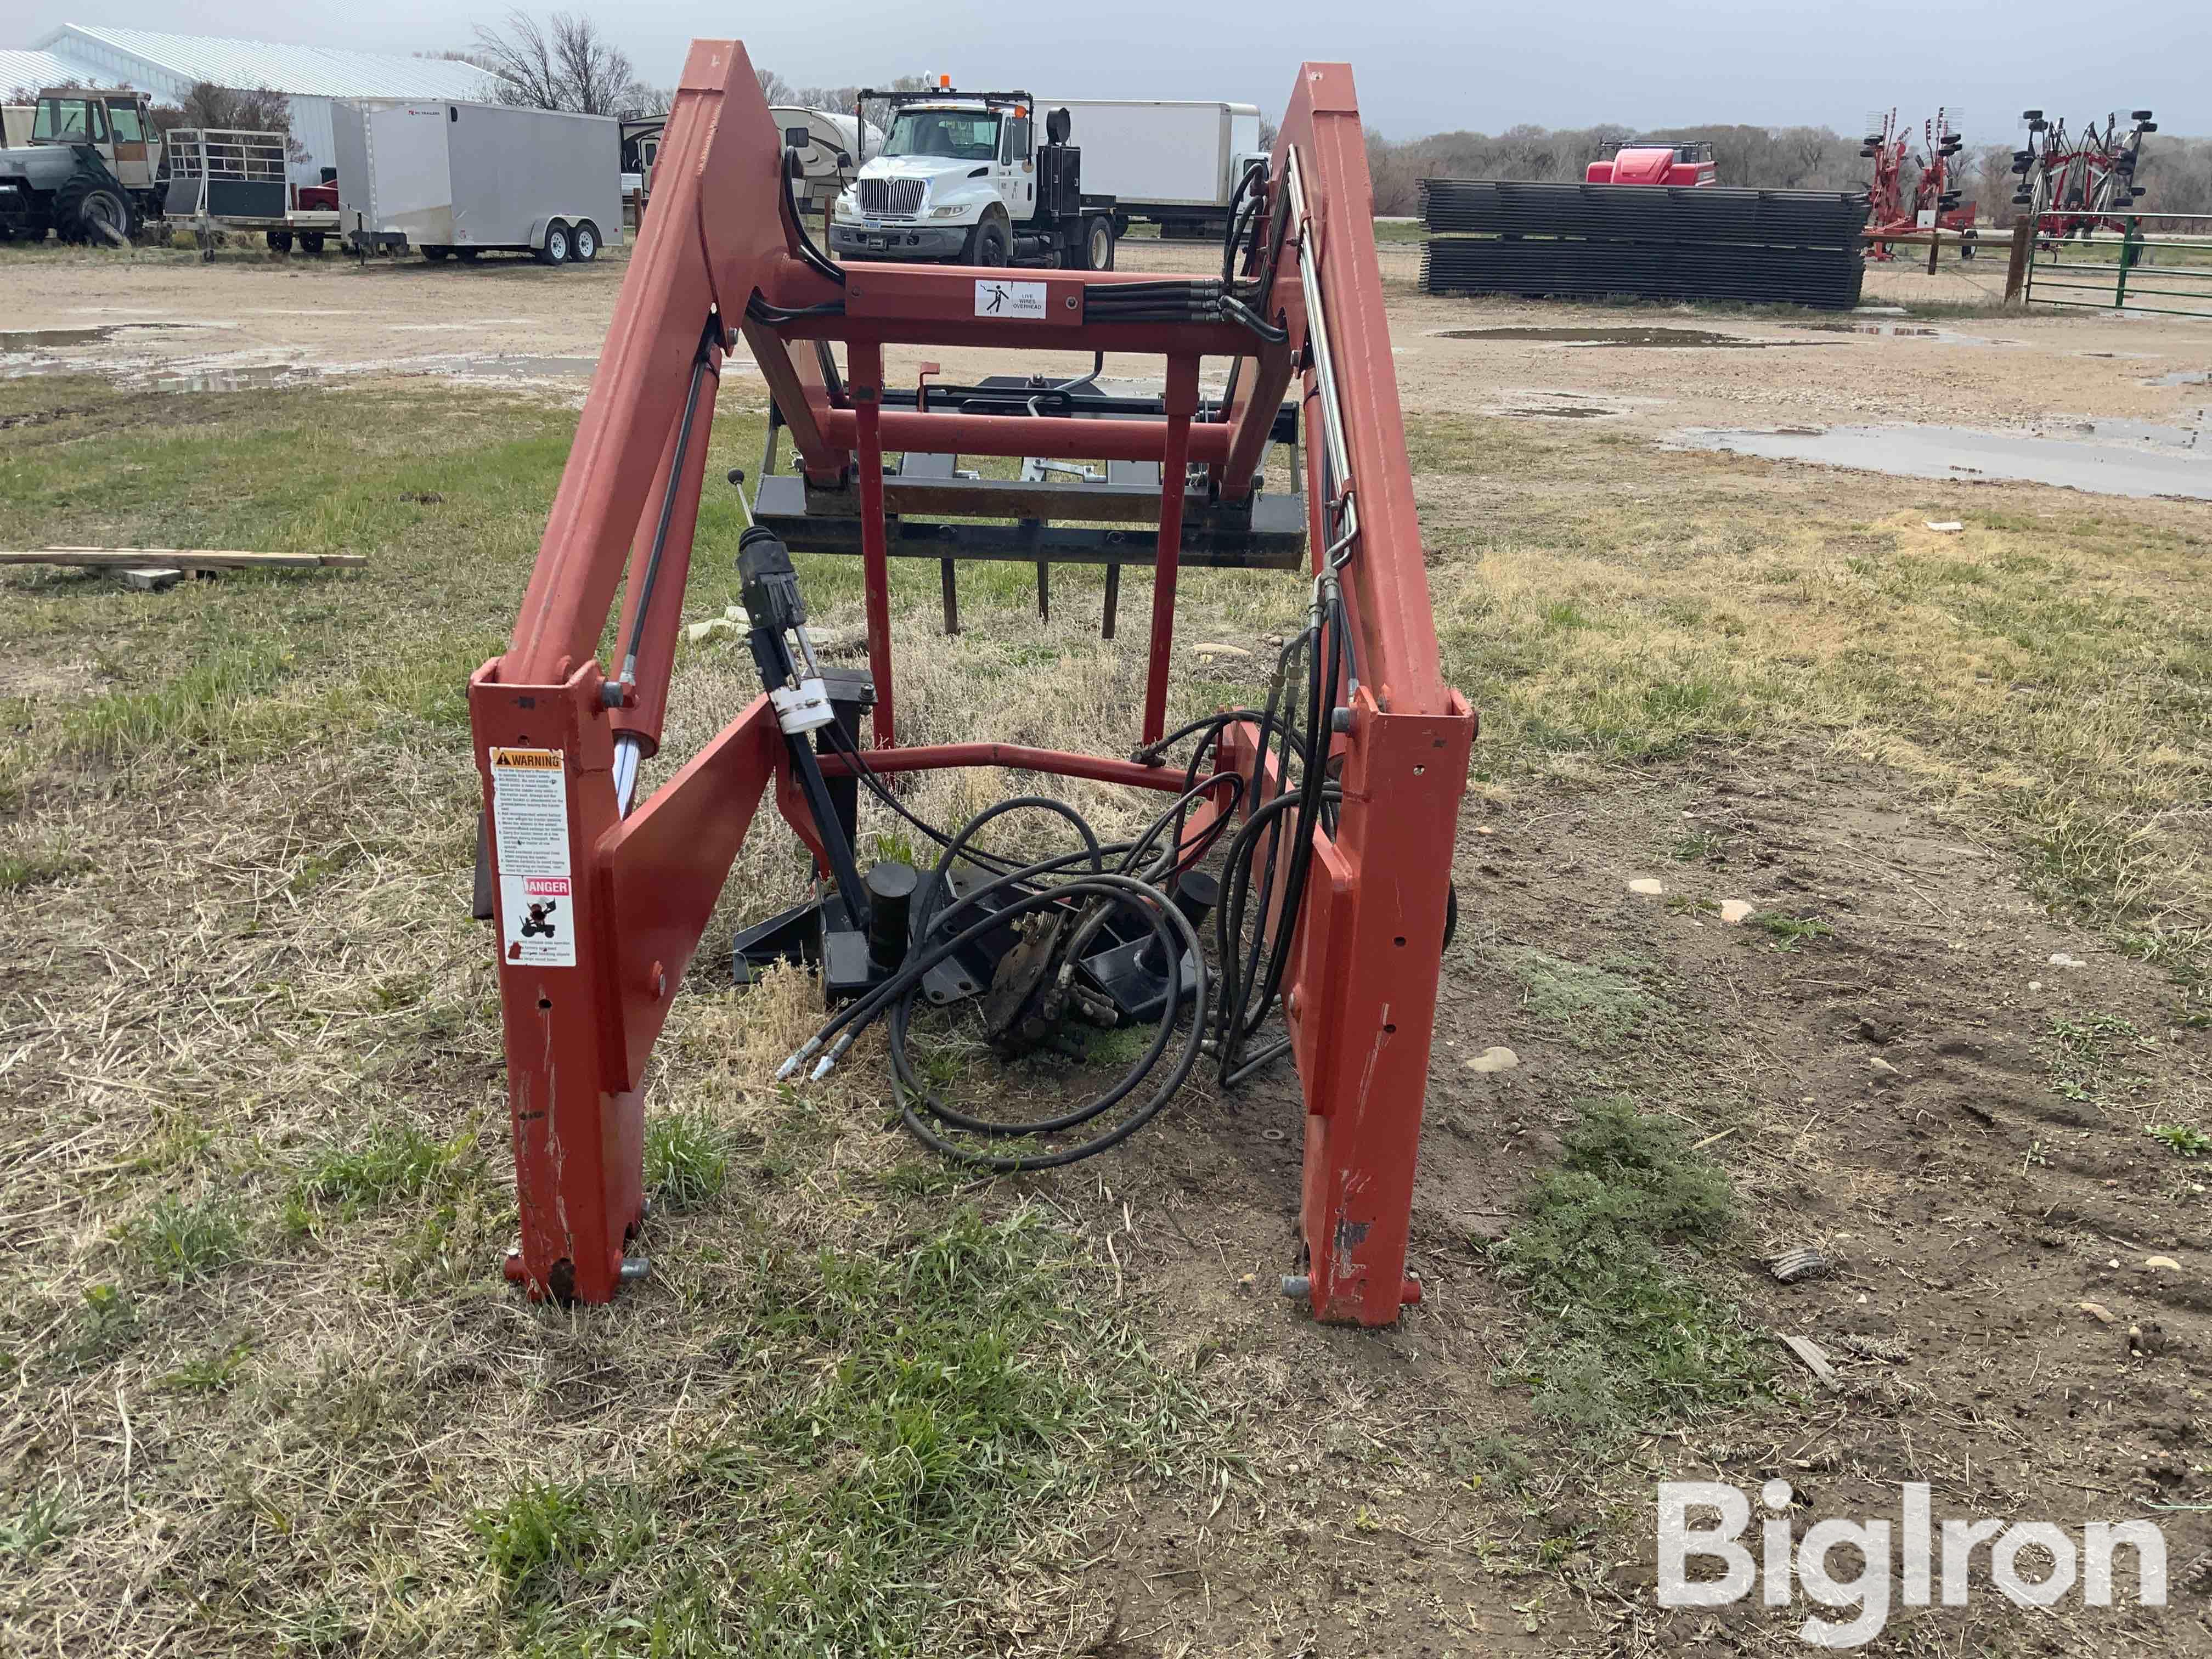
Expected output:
(280, 240)
(988, 245)
(586, 246)
(557, 244)
(88, 206)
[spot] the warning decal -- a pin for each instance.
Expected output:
(530, 827)
(994, 298)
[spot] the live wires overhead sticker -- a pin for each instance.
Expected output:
(530, 827)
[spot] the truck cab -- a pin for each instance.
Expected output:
(960, 178)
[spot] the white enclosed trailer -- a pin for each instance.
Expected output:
(1175, 163)
(456, 178)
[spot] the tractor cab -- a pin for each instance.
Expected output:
(117, 123)
(1656, 161)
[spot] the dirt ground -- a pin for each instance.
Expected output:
(1910, 1061)
(509, 321)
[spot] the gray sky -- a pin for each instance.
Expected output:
(1421, 67)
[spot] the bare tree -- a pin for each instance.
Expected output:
(235, 109)
(774, 88)
(564, 63)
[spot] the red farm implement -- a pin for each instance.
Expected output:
(1656, 161)
(1933, 203)
(2078, 185)
(1336, 805)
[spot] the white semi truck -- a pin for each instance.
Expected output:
(961, 179)
(958, 178)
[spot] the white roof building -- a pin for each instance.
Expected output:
(313, 77)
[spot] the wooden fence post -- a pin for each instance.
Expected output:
(2023, 249)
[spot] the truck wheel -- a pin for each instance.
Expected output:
(87, 206)
(280, 240)
(555, 251)
(587, 241)
(1099, 243)
(988, 244)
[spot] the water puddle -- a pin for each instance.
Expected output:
(2106, 458)
(48, 339)
(2183, 377)
(1646, 336)
(272, 375)
(1901, 331)
(519, 368)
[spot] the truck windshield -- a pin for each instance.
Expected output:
(962, 135)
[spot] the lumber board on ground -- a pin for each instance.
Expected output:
(184, 558)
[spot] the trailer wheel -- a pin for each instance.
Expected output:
(587, 241)
(467, 256)
(555, 251)
(436, 255)
(311, 241)
(279, 241)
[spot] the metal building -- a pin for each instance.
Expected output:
(313, 77)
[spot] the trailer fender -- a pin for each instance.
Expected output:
(567, 216)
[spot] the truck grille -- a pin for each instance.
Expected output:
(890, 198)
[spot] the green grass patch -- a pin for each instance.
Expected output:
(2184, 1139)
(184, 1240)
(394, 1163)
(1788, 931)
(1592, 1007)
(687, 1158)
(918, 1408)
(36, 868)
(1627, 1333)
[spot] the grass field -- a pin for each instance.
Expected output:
(261, 1381)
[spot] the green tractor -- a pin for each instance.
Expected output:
(88, 173)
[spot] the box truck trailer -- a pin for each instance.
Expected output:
(1173, 163)
(455, 180)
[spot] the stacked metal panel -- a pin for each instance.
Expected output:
(1589, 241)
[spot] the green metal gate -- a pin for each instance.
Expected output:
(2156, 263)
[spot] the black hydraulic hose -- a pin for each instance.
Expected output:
(812, 255)
(1164, 917)
(702, 365)
(1123, 891)
(761, 312)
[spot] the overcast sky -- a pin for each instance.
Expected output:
(1420, 67)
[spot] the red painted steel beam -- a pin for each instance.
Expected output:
(1059, 437)
(1059, 763)
(1398, 643)
(1361, 1002)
